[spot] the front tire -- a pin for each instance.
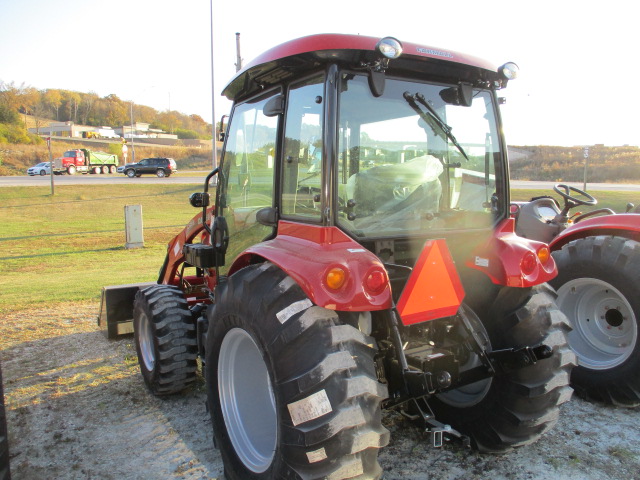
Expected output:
(598, 289)
(165, 338)
(515, 408)
(71, 170)
(292, 390)
(131, 173)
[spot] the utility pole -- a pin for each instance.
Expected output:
(133, 148)
(238, 57)
(50, 164)
(586, 161)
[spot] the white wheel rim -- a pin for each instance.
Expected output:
(145, 338)
(247, 400)
(605, 330)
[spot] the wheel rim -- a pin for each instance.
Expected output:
(605, 330)
(247, 400)
(145, 339)
(131, 173)
(468, 395)
(160, 173)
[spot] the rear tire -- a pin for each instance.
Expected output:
(165, 338)
(598, 289)
(160, 173)
(105, 169)
(113, 169)
(292, 391)
(516, 408)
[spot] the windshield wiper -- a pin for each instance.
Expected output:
(433, 116)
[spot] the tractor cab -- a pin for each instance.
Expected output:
(391, 144)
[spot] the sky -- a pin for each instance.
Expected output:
(577, 59)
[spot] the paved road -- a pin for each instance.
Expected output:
(197, 177)
(38, 181)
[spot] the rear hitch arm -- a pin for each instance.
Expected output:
(437, 431)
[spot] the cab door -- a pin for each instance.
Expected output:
(246, 179)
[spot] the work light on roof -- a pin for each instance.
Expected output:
(509, 70)
(389, 47)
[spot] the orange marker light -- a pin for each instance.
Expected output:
(544, 254)
(335, 278)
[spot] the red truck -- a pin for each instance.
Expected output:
(85, 161)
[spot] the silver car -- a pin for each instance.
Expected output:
(43, 168)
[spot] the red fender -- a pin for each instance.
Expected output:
(308, 252)
(622, 224)
(504, 255)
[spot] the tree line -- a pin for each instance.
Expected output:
(567, 164)
(86, 109)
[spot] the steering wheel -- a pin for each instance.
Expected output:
(563, 190)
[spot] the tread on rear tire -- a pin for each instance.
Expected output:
(319, 415)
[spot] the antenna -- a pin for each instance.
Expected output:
(238, 57)
(213, 101)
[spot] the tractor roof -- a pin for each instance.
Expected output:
(308, 53)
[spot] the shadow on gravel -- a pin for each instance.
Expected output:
(77, 408)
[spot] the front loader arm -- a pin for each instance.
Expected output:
(175, 256)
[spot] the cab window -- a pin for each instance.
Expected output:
(303, 162)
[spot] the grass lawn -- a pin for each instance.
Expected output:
(67, 247)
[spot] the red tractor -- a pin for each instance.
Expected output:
(357, 255)
(598, 257)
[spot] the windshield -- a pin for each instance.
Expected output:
(414, 160)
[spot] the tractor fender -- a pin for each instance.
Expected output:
(622, 224)
(503, 256)
(307, 253)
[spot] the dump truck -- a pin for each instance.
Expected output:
(83, 160)
(598, 257)
(357, 255)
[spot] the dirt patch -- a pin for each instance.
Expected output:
(77, 408)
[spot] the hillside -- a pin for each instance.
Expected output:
(566, 164)
(90, 109)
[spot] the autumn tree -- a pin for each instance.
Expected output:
(53, 99)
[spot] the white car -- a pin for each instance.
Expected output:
(43, 168)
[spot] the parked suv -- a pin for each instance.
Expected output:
(162, 167)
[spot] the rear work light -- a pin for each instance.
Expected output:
(509, 71)
(389, 47)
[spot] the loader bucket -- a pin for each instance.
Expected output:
(116, 308)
